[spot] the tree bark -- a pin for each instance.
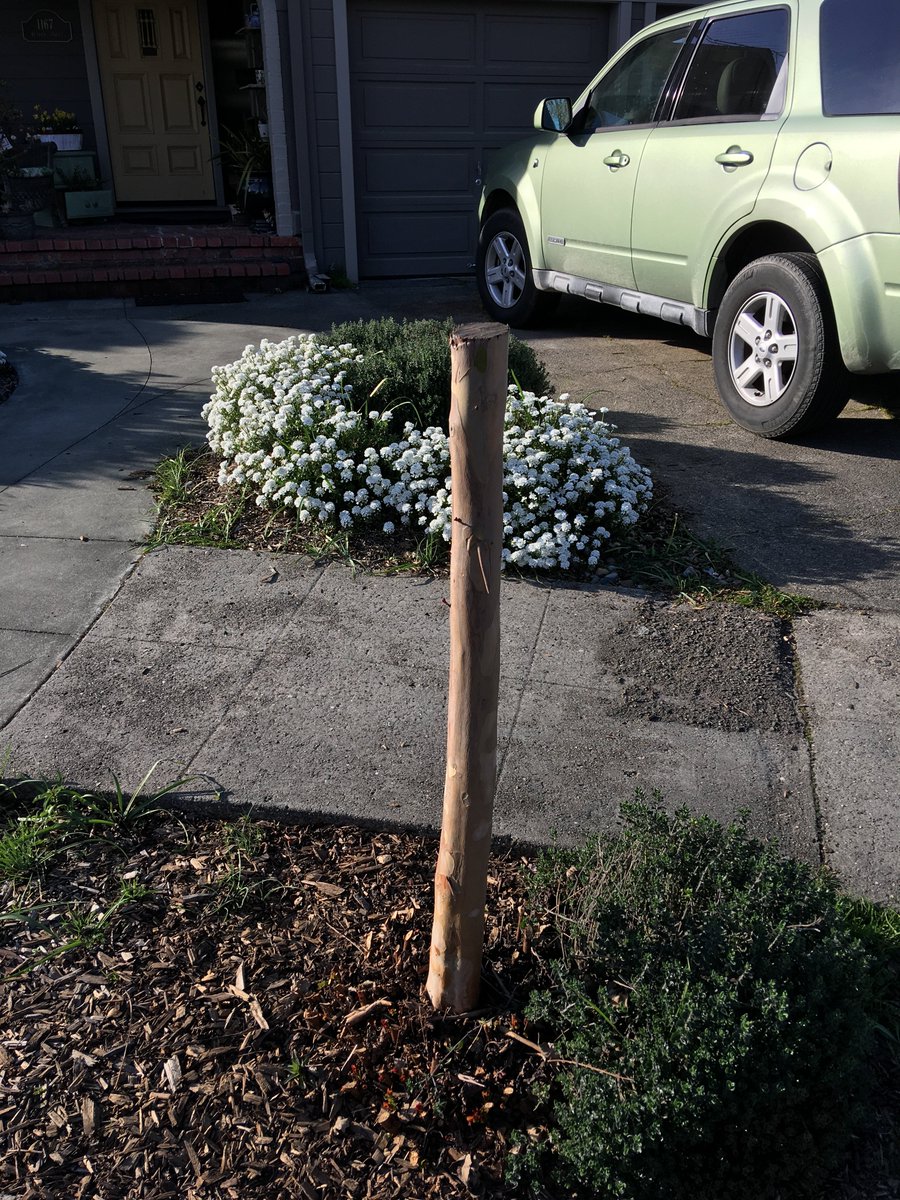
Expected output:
(479, 378)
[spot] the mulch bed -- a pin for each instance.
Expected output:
(255, 1025)
(250, 1021)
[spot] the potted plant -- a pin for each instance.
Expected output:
(84, 194)
(58, 126)
(26, 183)
(246, 156)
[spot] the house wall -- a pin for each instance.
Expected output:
(52, 74)
(312, 33)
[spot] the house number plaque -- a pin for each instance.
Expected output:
(46, 26)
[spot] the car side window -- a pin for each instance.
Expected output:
(858, 45)
(738, 71)
(629, 92)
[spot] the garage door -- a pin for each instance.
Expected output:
(433, 87)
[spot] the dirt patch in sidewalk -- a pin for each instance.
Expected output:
(718, 667)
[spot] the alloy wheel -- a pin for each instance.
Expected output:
(762, 349)
(504, 270)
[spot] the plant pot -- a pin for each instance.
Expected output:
(83, 205)
(63, 141)
(16, 227)
(258, 196)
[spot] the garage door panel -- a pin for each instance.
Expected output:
(399, 40)
(547, 43)
(436, 83)
(504, 103)
(406, 242)
(418, 172)
(421, 104)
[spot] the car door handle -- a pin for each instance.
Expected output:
(617, 159)
(734, 156)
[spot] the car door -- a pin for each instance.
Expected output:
(590, 171)
(702, 170)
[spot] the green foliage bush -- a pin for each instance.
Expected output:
(726, 984)
(406, 368)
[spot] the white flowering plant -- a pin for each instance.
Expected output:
(284, 422)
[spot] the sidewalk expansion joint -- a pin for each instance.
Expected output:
(806, 726)
(257, 662)
(521, 697)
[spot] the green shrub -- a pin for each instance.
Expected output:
(724, 986)
(406, 368)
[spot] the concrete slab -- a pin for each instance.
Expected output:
(58, 585)
(74, 376)
(570, 764)
(340, 737)
(577, 627)
(61, 503)
(325, 693)
(245, 600)
(119, 706)
(850, 669)
(26, 659)
(406, 619)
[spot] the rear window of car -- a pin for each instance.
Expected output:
(860, 49)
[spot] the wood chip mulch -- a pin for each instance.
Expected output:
(254, 1025)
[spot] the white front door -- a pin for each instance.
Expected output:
(154, 94)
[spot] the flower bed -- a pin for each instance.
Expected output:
(283, 419)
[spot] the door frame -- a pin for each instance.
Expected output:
(98, 111)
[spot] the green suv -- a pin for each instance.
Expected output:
(733, 169)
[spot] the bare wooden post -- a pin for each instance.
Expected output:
(478, 356)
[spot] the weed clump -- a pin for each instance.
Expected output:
(724, 991)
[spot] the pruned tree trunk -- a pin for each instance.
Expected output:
(479, 377)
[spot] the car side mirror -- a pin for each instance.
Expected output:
(554, 115)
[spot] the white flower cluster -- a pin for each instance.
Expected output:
(566, 480)
(282, 421)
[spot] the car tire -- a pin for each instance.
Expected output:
(776, 355)
(503, 268)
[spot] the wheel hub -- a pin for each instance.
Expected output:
(505, 270)
(763, 348)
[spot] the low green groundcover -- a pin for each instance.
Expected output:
(722, 1005)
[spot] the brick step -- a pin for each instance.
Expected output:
(234, 238)
(72, 282)
(129, 262)
(55, 260)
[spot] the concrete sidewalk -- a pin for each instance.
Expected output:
(309, 688)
